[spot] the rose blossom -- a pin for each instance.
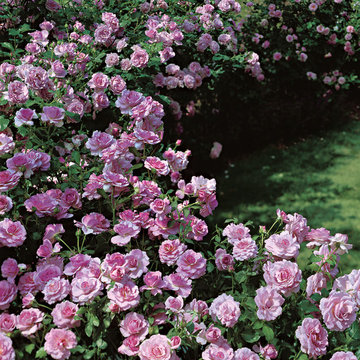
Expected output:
(7, 144)
(63, 315)
(178, 283)
(12, 234)
(6, 349)
(130, 346)
(219, 350)
(191, 264)
(313, 337)
(225, 309)
(342, 355)
(236, 232)
(6, 204)
(56, 290)
(134, 324)
(174, 304)
(85, 289)
(25, 117)
(53, 115)
(125, 295)
(126, 230)
(153, 282)
(223, 260)
(161, 167)
(9, 179)
(58, 343)
(9, 268)
(245, 249)
(136, 262)
(315, 283)
(93, 223)
(284, 276)
(269, 352)
(18, 93)
(245, 354)
(215, 150)
(112, 59)
(117, 84)
(283, 245)
(29, 321)
(139, 58)
(7, 323)
(269, 303)
(170, 251)
(157, 347)
(338, 311)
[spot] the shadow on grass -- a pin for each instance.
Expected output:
(318, 177)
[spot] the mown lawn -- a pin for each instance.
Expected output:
(318, 177)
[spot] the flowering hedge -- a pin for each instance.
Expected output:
(105, 250)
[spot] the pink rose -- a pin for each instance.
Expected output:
(313, 337)
(236, 232)
(112, 59)
(245, 249)
(224, 261)
(157, 347)
(215, 150)
(178, 283)
(7, 350)
(245, 354)
(139, 58)
(130, 346)
(315, 283)
(53, 115)
(283, 245)
(269, 351)
(220, 350)
(125, 295)
(136, 263)
(161, 167)
(7, 144)
(7, 323)
(284, 276)
(117, 84)
(174, 304)
(85, 289)
(12, 234)
(153, 282)
(134, 324)
(225, 309)
(58, 343)
(29, 321)
(99, 81)
(191, 264)
(63, 315)
(102, 34)
(9, 179)
(338, 311)
(18, 93)
(269, 303)
(37, 78)
(6, 204)
(9, 268)
(126, 230)
(56, 290)
(93, 223)
(25, 117)
(170, 251)
(342, 355)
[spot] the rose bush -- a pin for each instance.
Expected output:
(105, 250)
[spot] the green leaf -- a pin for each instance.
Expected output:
(210, 267)
(303, 357)
(29, 348)
(355, 330)
(313, 258)
(75, 155)
(250, 337)
(307, 307)
(240, 277)
(316, 297)
(41, 353)
(4, 122)
(101, 344)
(7, 46)
(268, 332)
(89, 354)
(190, 327)
(88, 329)
(23, 131)
(95, 321)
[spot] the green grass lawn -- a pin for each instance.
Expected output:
(318, 178)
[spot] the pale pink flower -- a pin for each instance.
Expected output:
(342, 355)
(85, 289)
(117, 84)
(157, 347)
(7, 350)
(128, 100)
(7, 144)
(29, 321)
(59, 342)
(77, 262)
(215, 150)
(283, 245)
(18, 92)
(317, 237)
(139, 58)
(313, 337)
(339, 244)
(98, 142)
(25, 117)
(64, 313)
(225, 309)
(93, 223)
(102, 34)
(245, 354)
(134, 324)
(56, 290)
(112, 59)
(12, 234)
(161, 167)
(130, 346)
(153, 282)
(236, 232)
(297, 226)
(174, 304)
(9, 179)
(27, 284)
(220, 350)
(9, 268)
(99, 81)
(191, 264)
(277, 56)
(245, 249)
(46, 271)
(338, 311)
(315, 283)
(178, 283)
(284, 276)
(125, 295)
(7, 323)
(170, 251)
(269, 302)
(223, 260)
(269, 351)
(53, 115)
(136, 263)
(126, 230)
(213, 334)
